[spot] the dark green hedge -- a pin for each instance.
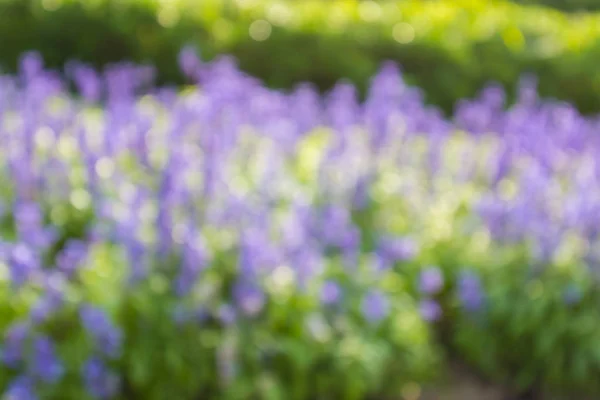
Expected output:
(565, 5)
(458, 46)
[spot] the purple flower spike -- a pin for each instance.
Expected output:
(470, 291)
(100, 382)
(23, 262)
(249, 298)
(108, 338)
(46, 306)
(12, 349)
(430, 310)
(330, 293)
(375, 306)
(88, 82)
(227, 314)
(397, 249)
(431, 281)
(189, 62)
(22, 388)
(71, 257)
(31, 64)
(46, 365)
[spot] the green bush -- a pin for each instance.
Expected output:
(450, 48)
(565, 5)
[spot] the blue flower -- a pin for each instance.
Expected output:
(470, 291)
(330, 293)
(12, 351)
(99, 381)
(430, 310)
(397, 249)
(227, 314)
(194, 259)
(249, 298)
(71, 256)
(21, 388)
(108, 337)
(46, 365)
(431, 281)
(52, 299)
(23, 262)
(189, 62)
(375, 306)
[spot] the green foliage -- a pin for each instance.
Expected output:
(449, 48)
(565, 5)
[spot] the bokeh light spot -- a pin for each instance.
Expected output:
(260, 30)
(403, 33)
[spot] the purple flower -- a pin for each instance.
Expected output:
(21, 388)
(397, 248)
(380, 263)
(31, 64)
(45, 307)
(99, 381)
(430, 310)
(88, 82)
(330, 293)
(249, 298)
(22, 263)
(71, 256)
(195, 257)
(108, 338)
(470, 291)
(46, 365)
(227, 314)
(189, 62)
(336, 228)
(52, 300)
(375, 306)
(14, 340)
(431, 281)
(28, 215)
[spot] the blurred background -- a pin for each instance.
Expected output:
(450, 48)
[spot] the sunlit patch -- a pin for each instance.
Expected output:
(369, 10)
(403, 33)
(260, 30)
(105, 167)
(80, 199)
(44, 138)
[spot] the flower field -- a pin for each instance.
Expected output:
(231, 241)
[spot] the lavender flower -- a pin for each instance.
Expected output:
(71, 256)
(397, 249)
(99, 381)
(46, 365)
(430, 310)
(189, 62)
(431, 281)
(52, 300)
(14, 341)
(330, 293)
(108, 338)
(195, 257)
(470, 291)
(249, 298)
(21, 388)
(227, 314)
(22, 264)
(375, 306)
